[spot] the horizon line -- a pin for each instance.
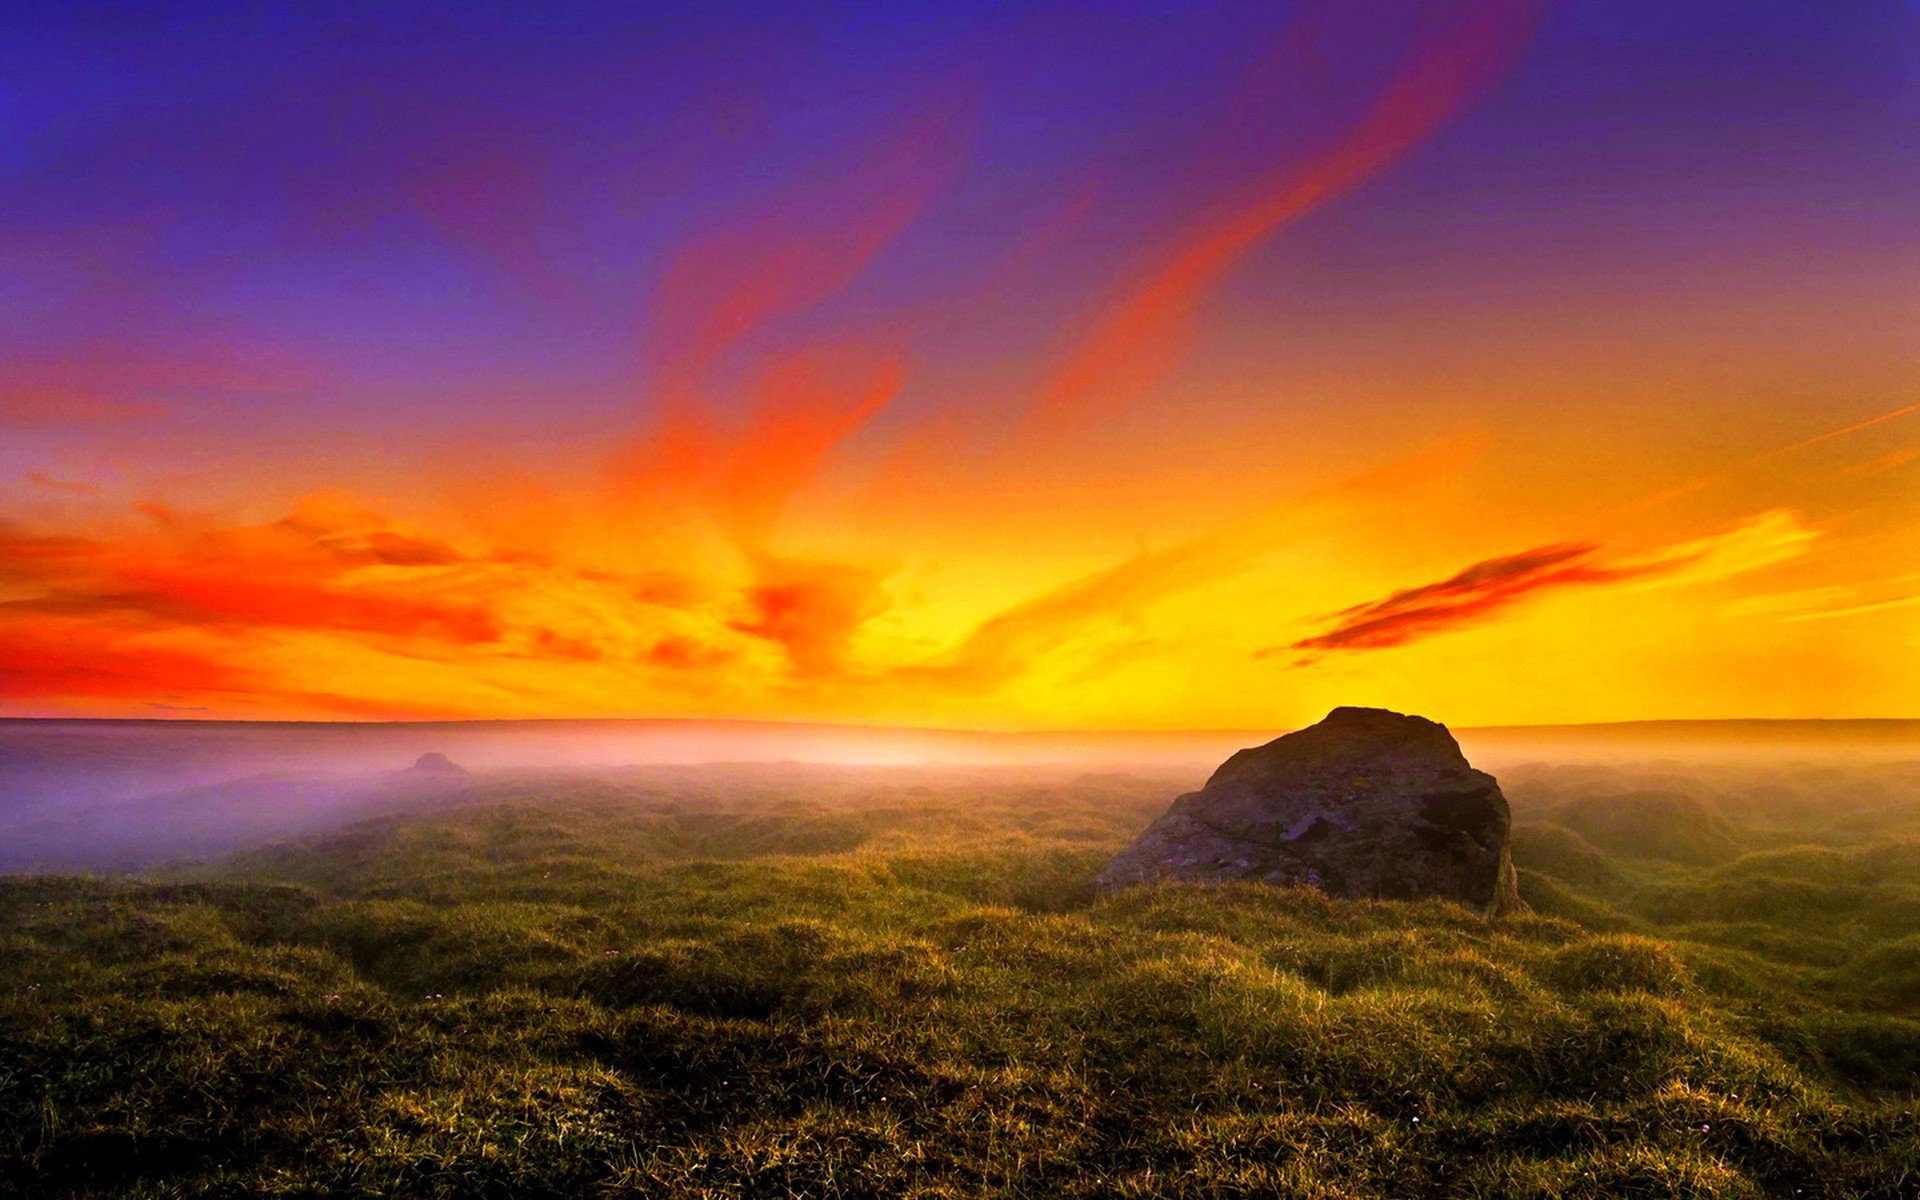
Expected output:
(961, 731)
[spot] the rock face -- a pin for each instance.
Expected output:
(1366, 804)
(435, 763)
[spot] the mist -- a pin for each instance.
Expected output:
(131, 795)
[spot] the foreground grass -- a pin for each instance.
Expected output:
(824, 987)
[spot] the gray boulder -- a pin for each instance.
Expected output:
(1367, 804)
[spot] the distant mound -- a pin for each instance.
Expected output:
(1366, 804)
(1660, 825)
(435, 763)
(1566, 855)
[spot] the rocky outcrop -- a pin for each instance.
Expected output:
(435, 763)
(1366, 804)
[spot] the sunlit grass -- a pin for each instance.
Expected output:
(891, 994)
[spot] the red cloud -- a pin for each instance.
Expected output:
(801, 409)
(1479, 590)
(681, 653)
(1140, 332)
(811, 609)
(61, 661)
(736, 281)
(290, 574)
(742, 425)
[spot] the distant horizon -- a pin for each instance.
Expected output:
(1049, 731)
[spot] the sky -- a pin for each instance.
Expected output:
(1012, 366)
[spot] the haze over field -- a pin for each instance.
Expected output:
(91, 793)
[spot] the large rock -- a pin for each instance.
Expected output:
(1366, 804)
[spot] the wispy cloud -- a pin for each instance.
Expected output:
(94, 383)
(183, 603)
(1767, 457)
(1882, 463)
(1014, 640)
(1140, 330)
(41, 479)
(1468, 596)
(1854, 610)
(1493, 585)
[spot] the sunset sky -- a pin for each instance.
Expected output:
(1121, 365)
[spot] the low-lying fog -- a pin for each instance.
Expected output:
(107, 795)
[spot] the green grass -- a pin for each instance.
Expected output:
(885, 985)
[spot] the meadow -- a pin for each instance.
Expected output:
(797, 981)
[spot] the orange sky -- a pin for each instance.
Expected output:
(1241, 472)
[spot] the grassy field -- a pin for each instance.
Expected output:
(888, 983)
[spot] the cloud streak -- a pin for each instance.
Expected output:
(96, 383)
(1013, 641)
(1470, 595)
(1140, 331)
(1492, 586)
